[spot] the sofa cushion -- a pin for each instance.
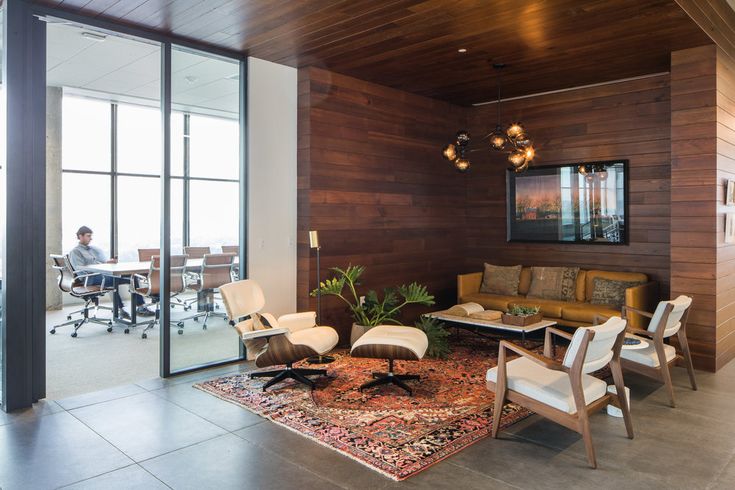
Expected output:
(554, 283)
(549, 308)
(647, 356)
(610, 291)
(612, 275)
(552, 388)
(581, 282)
(525, 281)
(585, 312)
(501, 279)
(489, 301)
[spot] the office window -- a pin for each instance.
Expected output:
(177, 144)
(214, 213)
(138, 139)
(85, 135)
(138, 216)
(85, 200)
(215, 147)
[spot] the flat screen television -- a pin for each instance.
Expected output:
(571, 203)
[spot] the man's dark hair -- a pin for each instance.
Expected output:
(83, 230)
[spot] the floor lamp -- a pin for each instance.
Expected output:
(314, 244)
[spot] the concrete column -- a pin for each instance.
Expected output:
(53, 191)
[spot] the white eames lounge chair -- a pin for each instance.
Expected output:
(564, 392)
(272, 342)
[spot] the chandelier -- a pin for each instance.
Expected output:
(513, 140)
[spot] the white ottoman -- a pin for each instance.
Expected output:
(391, 342)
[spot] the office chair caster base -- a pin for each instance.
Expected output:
(196, 319)
(144, 336)
(68, 317)
(52, 331)
(127, 330)
(109, 329)
(181, 332)
(74, 335)
(204, 327)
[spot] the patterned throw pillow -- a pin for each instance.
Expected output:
(610, 292)
(501, 280)
(558, 283)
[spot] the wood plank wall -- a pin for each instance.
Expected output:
(694, 227)
(725, 332)
(627, 120)
(372, 182)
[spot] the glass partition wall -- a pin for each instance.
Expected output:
(205, 167)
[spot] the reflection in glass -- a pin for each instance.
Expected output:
(214, 225)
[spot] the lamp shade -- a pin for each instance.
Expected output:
(313, 239)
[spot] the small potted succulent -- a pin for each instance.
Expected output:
(520, 316)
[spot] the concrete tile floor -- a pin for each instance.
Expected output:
(166, 434)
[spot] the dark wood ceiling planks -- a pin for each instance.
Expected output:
(412, 44)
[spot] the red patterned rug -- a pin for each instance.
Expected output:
(383, 428)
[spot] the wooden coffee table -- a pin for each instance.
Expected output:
(491, 324)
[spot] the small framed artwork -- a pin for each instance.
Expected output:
(730, 228)
(730, 193)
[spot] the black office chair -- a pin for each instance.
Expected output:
(75, 283)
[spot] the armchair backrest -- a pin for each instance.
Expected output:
(196, 252)
(242, 298)
(671, 323)
(595, 344)
(231, 249)
(62, 264)
(178, 267)
(216, 270)
(145, 254)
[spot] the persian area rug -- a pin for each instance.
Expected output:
(383, 428)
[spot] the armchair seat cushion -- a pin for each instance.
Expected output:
(647, 356)
(321, 339)
(552, 388)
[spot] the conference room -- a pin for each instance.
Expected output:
(103, 170)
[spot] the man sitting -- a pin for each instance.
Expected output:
(85, 254)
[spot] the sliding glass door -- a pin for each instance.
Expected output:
(205, 192)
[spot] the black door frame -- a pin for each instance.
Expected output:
(24, 79)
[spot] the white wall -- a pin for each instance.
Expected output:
(272, 108)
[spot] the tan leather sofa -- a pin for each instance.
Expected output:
(580, 313)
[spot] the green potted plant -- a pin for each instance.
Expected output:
(521, 316)
(369, 310)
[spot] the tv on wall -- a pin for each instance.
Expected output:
(571, 203)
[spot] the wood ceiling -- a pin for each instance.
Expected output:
(412, 44)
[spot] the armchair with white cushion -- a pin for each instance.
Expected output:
(655, 361)
(270, 341)
(564, 392)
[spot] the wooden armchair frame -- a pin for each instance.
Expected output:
(657, 337)
(579, 421)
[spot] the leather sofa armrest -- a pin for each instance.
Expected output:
(644, 297)
(467, 284)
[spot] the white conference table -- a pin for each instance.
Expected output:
(127, 269)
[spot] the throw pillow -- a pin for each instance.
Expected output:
(501, 280)
(557, 283)
(610, 292)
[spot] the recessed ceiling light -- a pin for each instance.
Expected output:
(190, 78)
(93, 36)
(234, 76)
(462, 50)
